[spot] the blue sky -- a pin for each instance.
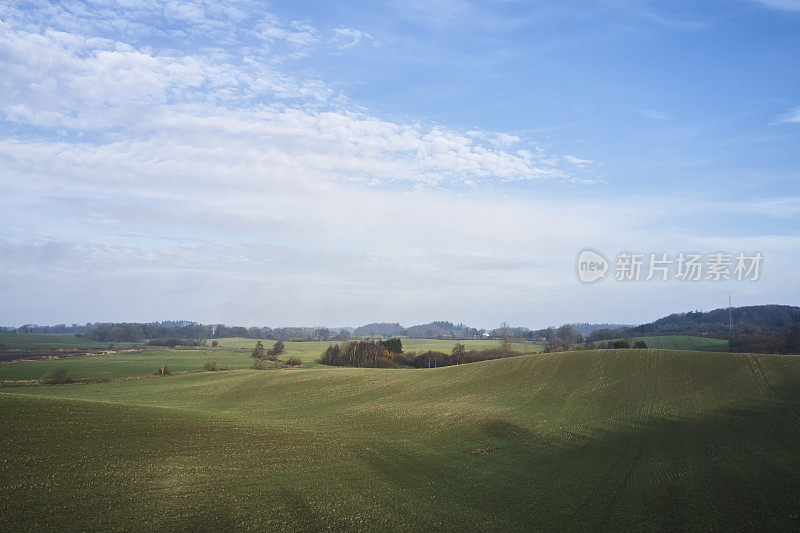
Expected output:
(327, 163)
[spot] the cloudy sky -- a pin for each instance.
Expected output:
(327, 163)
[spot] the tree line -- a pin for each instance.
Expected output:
(753, 320)
(772, 342)
(389, 354)
(137, 332)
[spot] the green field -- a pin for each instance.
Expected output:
(684, 342)
(233, 353)
(35, 341)
(606, 439)
(128, 364)
(310, 351)
(680, 342)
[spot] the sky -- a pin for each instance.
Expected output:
(339, 163)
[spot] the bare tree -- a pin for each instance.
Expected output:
(459, 351)
(505, 337)
(258, 351)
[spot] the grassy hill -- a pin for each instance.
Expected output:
(593, 439)
(684, 342)
(678, 342)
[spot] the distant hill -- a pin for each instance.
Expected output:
(586, 329)
(439, 329)
(379, 329)
(58, 329)
(750, 320)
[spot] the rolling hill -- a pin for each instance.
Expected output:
(644, 439)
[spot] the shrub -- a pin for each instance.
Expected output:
(395, 346)
(277, 349)
(259, 364)
(458, 353)
(56, 376)
(294, 361)
(374, 354)
(793, 340)
(359, 353)
(640, 344)
(557, 345)
(620, 344)
(404, 359)
(432, 359)
(172, 342)
(214, 344)
(473, 356)
(210, 366)
(332, 355)
(770, 342)
(258, 351)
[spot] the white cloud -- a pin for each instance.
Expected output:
(272, 147)
(577, 161)
(208, 108)
(793, 116)
(504, 139)
(247, 192)
(301, 36)
(347, 38)
(58, 79)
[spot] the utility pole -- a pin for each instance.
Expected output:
(730, 313)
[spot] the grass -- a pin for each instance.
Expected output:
(424, 345)
(37, 341)
(233, 353)
(310, 351)
(684, 342)
(607, 439)
(680, 342)
(127, 364)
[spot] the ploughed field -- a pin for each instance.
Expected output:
(603, 439)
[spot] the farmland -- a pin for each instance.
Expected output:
(684, 342)
(33, 341)
(232, 353)
(605, 439)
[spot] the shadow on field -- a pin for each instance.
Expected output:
(214, 518)
(736, 468)
(302, 515)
